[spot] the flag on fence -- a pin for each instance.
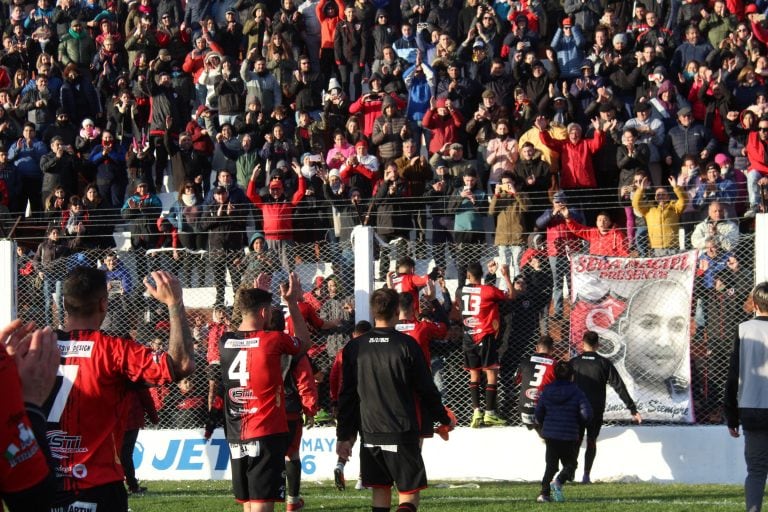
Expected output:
(641, 309)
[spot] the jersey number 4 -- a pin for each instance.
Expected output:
(68, 374)
(238, 369)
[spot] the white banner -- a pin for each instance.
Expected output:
(658, 454)
(641, 309)
(185, 455)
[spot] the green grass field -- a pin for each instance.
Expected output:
(491, 497)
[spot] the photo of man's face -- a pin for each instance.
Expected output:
(655, 331)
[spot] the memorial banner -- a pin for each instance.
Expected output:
(641, 309)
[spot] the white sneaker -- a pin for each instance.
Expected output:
(359, 485)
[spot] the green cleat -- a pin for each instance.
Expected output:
(491, 420)
(477, 419)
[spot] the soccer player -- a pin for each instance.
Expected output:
(385, 380)
(406, 281)
(533, 374)
(361, 327)
(423, 331)
(300, 396)
(26, 483)
(591, 372)
(87, 408)
(480, 311)
(255, 414)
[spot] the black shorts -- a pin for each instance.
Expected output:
(110, 497)
(404, 467)
(592, 428)
(483, 355)
(258, 468)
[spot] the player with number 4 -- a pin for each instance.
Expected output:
(254, 409)
(482, 322)
(86, 409)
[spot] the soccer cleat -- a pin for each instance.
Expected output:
(585, 479)
(557, 491)
(543, 498)
(477, 419)
(491, 420)
(338, 478)
(293, 507)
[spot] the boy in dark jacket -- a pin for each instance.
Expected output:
(561, 411)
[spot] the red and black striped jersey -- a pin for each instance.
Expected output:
(251, 371)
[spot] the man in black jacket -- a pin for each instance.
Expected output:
(225, 223)
(383, 406)
(592, 372)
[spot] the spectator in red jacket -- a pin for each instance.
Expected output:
(577, 175)
(757, 174)
(604, 240)
(370, 105)
(329, 14)
(278, 212)
(445, 122)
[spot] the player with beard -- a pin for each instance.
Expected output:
(97, 371)
(255, 414)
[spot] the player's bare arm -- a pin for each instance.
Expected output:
(292, 295)
(167, 289)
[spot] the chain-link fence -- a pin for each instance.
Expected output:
(210, 279)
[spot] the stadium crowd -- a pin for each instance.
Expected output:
(254, 136)
(237, 132)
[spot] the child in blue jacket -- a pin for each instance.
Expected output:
(561, 409)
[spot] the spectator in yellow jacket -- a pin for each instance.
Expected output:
(662, 215)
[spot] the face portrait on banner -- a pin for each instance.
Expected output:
(641, 309)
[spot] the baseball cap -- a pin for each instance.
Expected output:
(559, 197)
(751, 9)
(683, 111)
(478, 44)
(219, 190)
(276, 183)
(722, 159)
(567, 21)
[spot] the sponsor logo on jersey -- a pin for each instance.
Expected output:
(23, 449)
(82, 506)
(73, 348)
(532, 394)
(378, 340)
(238, 343)
(405, 327)
(77, 471)
(240, 395)
(542, 360)
(470, 290)
(62, 444)
(471, 322)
